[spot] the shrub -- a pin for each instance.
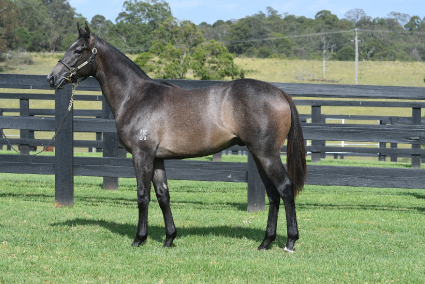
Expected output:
(264, 52)
(251, 52)
(346, 53)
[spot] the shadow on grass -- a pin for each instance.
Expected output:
(157, 233)
(359, 207)
(201, 205)
(417, 195)
(125, 202)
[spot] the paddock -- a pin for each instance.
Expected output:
(391, 130)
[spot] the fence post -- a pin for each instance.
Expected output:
(316, 117)
(393, 145)
(64, 151)
(24, 107)
(110, 146)
(416, 120)
(217, 156)
(256, 189)
(382, 157)
(1, 144)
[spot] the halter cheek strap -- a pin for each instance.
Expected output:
(73, 71)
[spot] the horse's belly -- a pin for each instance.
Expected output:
(190, 144)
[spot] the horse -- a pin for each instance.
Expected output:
(157, 120)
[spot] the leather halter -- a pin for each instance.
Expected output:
(73, 71)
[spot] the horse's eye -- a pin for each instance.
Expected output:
(78, 51)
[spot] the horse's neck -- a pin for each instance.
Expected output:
(118, 77)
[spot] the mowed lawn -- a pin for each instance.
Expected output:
(347, 235)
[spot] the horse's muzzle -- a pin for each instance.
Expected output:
(55, 83)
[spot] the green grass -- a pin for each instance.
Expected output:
(385, 73)
(347, 235)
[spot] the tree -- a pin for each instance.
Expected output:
(355, 15)
(346, 53)
(100, 25)
(33, 15)
(139, 19)
(60, 23)
(413, 23)
(264, 52)
(212, 61)
(400, 18)
(281, 44)
(8, 23)
(179, 50)
(326, 55)
(245, 29)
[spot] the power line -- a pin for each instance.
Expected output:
(320, 34)
(286, 36)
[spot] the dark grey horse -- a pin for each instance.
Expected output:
(157, 121)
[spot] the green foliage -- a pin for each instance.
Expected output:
(413, 23)
(49, 25)
(212, 61)
(264, 52)
(135, 25)
(22, 37)
(346, 53)
(179, 50)
(100, 25)
(8, 24)
(251, 52)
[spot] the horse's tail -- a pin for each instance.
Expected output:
(295, 155)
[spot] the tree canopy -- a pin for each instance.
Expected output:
(179, 50)
(49, 25)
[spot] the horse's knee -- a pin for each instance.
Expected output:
(143, 198)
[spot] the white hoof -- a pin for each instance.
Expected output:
(288, 250)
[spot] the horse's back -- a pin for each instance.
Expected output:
(203, 121)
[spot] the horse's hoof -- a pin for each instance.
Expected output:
(288, 250)
(138, 241)
(168, 244)
(263, 247)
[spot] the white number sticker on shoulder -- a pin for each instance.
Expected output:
(142, 134)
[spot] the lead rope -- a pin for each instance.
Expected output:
(71, 102)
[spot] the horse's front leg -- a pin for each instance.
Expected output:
(143, 166)
(161, 189)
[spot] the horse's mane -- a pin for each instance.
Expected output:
(130, 62)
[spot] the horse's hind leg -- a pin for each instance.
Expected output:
(274, 200)
(161, 190)
(274, 172)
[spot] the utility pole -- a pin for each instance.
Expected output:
(356, 47)
(356, 79)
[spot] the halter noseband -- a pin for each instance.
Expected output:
(73, 71)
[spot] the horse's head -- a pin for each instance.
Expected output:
(78, 62)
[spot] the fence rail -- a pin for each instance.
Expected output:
(400, 130)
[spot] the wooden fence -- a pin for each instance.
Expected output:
(392, 129)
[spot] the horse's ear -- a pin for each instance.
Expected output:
(88, 32)
(80, 30)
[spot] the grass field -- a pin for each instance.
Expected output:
(347, 235)
(385, 73)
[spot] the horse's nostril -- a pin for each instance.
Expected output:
(51, 79)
